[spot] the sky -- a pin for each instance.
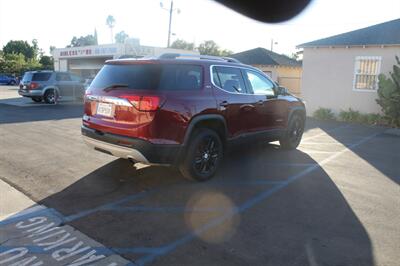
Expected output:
(55, 22)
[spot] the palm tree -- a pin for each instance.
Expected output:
(110, 21)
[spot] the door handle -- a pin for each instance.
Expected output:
(224, 103)
(246, 107)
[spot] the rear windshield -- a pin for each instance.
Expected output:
(150, 77)
(27, 76)
(36, 76)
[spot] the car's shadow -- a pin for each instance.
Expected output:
(279, 217)
(10, 113)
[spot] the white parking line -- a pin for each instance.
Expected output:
(325, 143)
(316, 151)
(325, 132)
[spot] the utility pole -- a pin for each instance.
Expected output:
(272, 44)
(170, 20)
(170, 10)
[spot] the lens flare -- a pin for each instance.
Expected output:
(206, 207)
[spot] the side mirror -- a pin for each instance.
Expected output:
(283, 90)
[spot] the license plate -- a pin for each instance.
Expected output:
(104, 109)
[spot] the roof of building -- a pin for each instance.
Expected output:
(262, 56)
(387, 33)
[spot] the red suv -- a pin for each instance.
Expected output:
(186, 110)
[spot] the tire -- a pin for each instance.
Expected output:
(37, 99)
(203, 155)
(50, 96)
(12, 82)
(293, 134)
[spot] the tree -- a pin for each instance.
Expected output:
(294, 56)
(18, 57)
(47, 62)
(110, 22)
(389, 95)
(181, 44)
(36, 50)
(52, 48)
(12, 63)
(211, 48)
(21, 47)
(121, 36)
(16, 64)
(83, 41)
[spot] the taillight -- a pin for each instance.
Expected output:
(87, 93)
(33, 85)
(149, 103)
(143, 103)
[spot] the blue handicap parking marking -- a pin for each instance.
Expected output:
(39, 237)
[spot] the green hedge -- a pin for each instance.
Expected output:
(350, 116)
(324, 114)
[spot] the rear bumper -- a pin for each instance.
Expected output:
(138, 150)
(30, 93)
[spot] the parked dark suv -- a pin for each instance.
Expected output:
(51, 86)
(181, 111)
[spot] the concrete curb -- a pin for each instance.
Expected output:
(12, 201)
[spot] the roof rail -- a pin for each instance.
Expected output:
(206, 57)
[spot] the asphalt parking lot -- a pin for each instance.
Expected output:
(333, 201)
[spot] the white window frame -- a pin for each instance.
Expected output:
(359, 58)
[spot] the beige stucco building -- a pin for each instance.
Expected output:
(86, 61)
(341, 72)
(282, 69)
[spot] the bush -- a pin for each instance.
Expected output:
(389, 95)
(350, 116)
(324, 114)
(357, 117)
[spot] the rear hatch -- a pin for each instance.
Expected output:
(125, 97)
(34, 80)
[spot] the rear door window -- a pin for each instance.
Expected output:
(63, 77)
(75, 77)
(180, 77)
(229, 79)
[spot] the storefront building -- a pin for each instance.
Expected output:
(86, 61)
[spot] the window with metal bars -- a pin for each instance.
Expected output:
(366, 71)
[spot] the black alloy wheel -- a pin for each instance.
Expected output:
(50, 96)
(293, 134)
(203, 155)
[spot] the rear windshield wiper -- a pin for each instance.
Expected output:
(114, 86)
